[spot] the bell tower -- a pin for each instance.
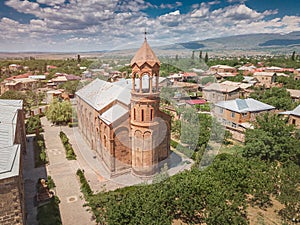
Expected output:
(147, 126)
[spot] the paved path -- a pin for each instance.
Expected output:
(63, 173)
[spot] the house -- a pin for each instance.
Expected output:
(18, 83)
(236, 115)
(294, 116)
(297, 74)
(244, 87)
(273, 69)
(249, 80)
(50, 67)
(195, 102)
(297, 71)
(216, 92)
(62, 78)
(266, 79)
(12, 149)
(15, 67)
(189, 76)
(122, 121)
(247, 69)
(175, 77)
(223, 69)
(222, 76)
(295, 94)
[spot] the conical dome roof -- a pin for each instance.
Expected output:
(145, 55)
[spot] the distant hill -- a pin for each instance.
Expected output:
(259, 41)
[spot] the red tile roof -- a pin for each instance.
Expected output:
(25, 75)
(196, 101)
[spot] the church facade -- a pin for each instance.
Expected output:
(122, 121)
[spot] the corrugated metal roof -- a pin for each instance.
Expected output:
(295, 111)
(220, 87)
(268, 74)
(113, 114)
(9, 152)
(100, 93)
(244, 105)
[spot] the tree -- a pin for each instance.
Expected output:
(272, 139)
(163, 175)
(200, 55)
(70, 86)
(293, 56)
(206, 57)
(193, 55)
(190, 127)
(59, 112)
(275, 96)
(33, 124)
(17, 95)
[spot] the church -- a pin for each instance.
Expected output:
(122, 121)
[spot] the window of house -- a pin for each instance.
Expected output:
(224, 121)
(293, 121)
(232, 114)
(221, 110)
(234, 125)
(244, 114)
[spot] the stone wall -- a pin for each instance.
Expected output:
(11, 201)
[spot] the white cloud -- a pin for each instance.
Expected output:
(203, 11)
(175, 13)
(51, 2)
(100, 24)
(23, 6)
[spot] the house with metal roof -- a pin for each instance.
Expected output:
(266, 79)
(216, 92)
(122, 121)
(237, 115)
(12, 147)
(294, 116)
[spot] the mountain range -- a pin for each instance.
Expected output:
(265, 42)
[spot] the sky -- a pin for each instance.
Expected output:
(95, 25)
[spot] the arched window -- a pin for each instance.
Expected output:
(142, 115)
(134, 114)
(151, 114)
(105, 141)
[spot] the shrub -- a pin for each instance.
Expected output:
(70, 154)
(85, 187)
(74, 124)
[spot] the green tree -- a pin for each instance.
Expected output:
(59, 112)
(272, 139)
(293, 56)
(70, 86)
(163, 175)
(206, 57)
(190, 127)
(17, 95)
(33, 124)
(200, 55)
(275, 96)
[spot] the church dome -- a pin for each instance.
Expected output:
(145, 55)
